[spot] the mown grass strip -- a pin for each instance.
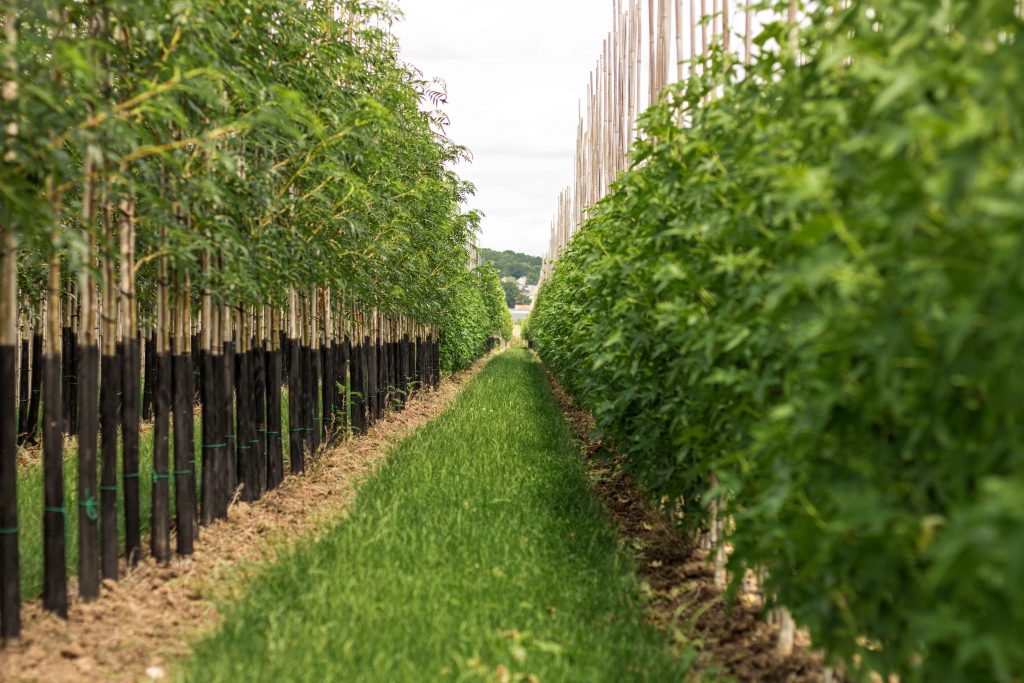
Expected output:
(478, 552)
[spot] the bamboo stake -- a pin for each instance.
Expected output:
(679, 41)
(703, 29)
(652, 55)
(693, 31)
(748, 35)
(725, 26)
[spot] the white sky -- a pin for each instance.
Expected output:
(515, 70)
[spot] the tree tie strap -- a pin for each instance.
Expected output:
(182, 473)
(131, 475)
(63, 513)
(109, 488)
(91, 507)
(9, 531)
(215, 445)
(157, 477)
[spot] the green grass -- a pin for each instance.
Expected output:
(30, 501)
(479, 545)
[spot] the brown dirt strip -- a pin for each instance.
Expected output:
(154, 614)
(684, 600)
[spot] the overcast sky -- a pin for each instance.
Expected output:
(515, 70)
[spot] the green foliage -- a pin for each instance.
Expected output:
(513, 294)
(513, 264)
(479, 545)
(813, 291)
(285, 140)
(476, 302)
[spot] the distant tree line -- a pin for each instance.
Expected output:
(513, 264)
(514, 294)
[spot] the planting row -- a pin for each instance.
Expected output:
(802, 308)
(261, 191)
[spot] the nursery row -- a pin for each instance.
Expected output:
(799, 316)
(261, 191)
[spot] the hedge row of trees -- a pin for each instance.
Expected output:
(257, 178)
(804, 304)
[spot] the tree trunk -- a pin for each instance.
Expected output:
(130, 371)
(295, 455)
(244, 436)
(228, 398)
(31, 430)
(259, 405)
(10, 581)
(160, 542)
(55, 589)
(88, 395)
(110, 369)
(275, 444)
(184, 433)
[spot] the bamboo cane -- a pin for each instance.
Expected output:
(680, 68)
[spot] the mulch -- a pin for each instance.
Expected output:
(731, 639)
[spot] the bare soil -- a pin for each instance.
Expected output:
(143, 623)
(730, 639)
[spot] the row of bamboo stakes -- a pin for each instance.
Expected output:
(626, 80)
(651, 45)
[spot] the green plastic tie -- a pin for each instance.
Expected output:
(131, 475)
(244, 448)
(157, 477)
(91, 507)
(215, 445)
(9, 531)
(109, 488)
(181, 473)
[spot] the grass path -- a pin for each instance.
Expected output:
(478, 553)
